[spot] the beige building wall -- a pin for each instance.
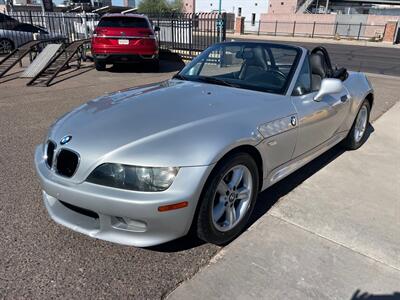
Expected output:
(282, 6)
(189, 6)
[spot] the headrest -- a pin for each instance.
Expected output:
(254, 57)
(318, 65)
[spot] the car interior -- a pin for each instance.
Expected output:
(266, 68)
(252, 66)
(321, 67)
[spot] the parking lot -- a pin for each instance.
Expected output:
(40, 258)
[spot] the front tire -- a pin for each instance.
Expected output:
(228, 199)
(357, 135)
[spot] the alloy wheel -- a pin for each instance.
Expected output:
(232, 198)
(361, 124)
(5, 46)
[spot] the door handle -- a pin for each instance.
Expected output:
(344, 98)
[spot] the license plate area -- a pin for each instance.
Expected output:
(123, 42)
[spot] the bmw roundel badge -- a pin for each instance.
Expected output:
(65, 139)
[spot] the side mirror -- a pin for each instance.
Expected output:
(329, 86)
(156, 28)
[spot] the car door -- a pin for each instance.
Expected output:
(318, 121)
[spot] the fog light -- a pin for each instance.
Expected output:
(125, 223)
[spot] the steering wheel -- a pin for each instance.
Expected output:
(282, 75)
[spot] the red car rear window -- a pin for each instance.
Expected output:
(124, 22)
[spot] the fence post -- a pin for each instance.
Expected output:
(85, 25)
(259, 25)
(359, 32)
(30, 17)
(190, 36)
(336, 26)
(294, 27)
(384, 31)
(276, 26)
(172, 34)
(224, 20)
(313, 30)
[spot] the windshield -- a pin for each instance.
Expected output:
(124, 22)
(261, 67)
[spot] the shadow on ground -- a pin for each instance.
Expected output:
(166, 66)
(267, 198)
(169, 62)
(71, 73)
(366, 296)
(271, 195)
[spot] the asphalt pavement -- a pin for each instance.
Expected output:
(377, 60)
(40, 259)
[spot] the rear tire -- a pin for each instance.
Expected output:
(358, 132)
(228, 199)
(100, 66)
(155, 65)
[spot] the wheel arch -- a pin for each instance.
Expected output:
(244, 148)
(254, 153)
(370, 99)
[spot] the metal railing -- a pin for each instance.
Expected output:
(359, 31)
(189, 33)
(25, 26)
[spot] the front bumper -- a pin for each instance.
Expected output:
(68, 203)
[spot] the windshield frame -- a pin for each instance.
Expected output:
(214, 47)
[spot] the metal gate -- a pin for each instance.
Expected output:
(189, 34)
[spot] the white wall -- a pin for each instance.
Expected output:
(231, 6)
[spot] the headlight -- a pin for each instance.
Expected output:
(133, 178)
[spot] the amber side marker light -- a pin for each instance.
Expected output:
(173, 206)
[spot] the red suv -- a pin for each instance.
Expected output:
(124, 38)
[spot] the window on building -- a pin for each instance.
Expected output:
(239, 11)
(253, 19)
(282, 3)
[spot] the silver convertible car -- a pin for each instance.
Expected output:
(147, 165)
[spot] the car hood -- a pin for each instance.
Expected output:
(160, 125)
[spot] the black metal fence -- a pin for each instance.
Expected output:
(186, 34)
(22, 27)
(360, 31)
(190, 33)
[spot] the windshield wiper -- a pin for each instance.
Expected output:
(216, 81)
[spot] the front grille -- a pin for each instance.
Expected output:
(67, 163)
(51, 146)
(80, 210)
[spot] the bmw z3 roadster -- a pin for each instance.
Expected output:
(146, 165)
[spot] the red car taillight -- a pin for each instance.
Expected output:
(98, 32)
